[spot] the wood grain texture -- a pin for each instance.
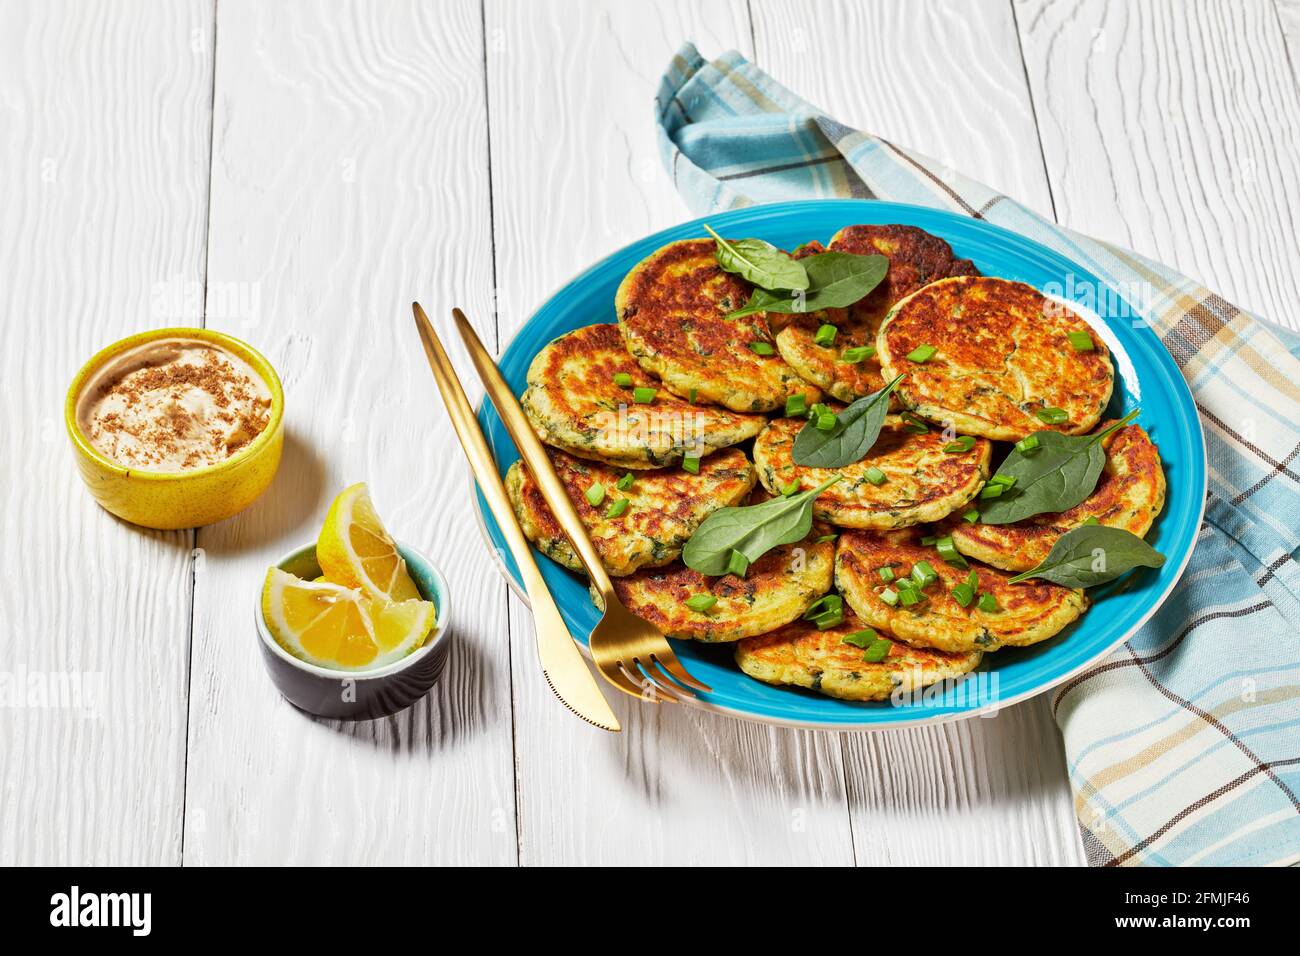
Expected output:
(576, 174)
(945, 78)
(350, 176)
(103, 183)
(1173, 128)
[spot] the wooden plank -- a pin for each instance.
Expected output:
(944, 78)
(350, 176)
(103, 180)
(1174, 129)
(576, 174)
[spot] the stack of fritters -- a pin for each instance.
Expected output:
(654, 422)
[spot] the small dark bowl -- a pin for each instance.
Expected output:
(360, 695)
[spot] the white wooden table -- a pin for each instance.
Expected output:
(295, 173)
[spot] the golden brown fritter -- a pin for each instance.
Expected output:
(573, 403)
(664, 508)
(915, 258)
(672, 309)
(1129, 495)
(776, 589)
(922, 482)
(1002, 355)
(801, 655)
(1028, 612)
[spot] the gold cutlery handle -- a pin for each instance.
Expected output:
(562, 663)
(535, 457)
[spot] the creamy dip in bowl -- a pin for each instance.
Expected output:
(173, 404)
(176, 428)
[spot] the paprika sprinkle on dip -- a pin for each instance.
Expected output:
(173, 405)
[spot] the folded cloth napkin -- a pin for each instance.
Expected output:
(1184, 745)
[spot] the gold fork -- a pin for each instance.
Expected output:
(631, 653)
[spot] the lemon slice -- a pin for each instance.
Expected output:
(339, 627)
(356, 551)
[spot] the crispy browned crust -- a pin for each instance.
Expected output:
(923, 483)
(665, 507)
(915, 258)
(1030, 612)
(801, 655)
(776, 590)
(574, 404)
(672, 309)
(1129, 495)
(1003, 354)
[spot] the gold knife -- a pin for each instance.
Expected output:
(562, 664)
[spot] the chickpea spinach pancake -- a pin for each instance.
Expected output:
(635, 519)
(587, 396)
(845, 365)
(951, 509)
(996, 359)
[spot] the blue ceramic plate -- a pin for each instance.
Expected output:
(1145, 375)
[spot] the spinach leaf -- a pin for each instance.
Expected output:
(1093, 554)
(1056, 476)
(835, 281)
(855, 431)
(759, 262)
(753, 530)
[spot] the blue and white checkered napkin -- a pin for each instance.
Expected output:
(1183, 746)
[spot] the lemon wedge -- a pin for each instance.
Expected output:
(355, 550)
(339, 627)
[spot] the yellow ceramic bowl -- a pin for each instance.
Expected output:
(183, 499)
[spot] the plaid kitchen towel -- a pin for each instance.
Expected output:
(1184, 745)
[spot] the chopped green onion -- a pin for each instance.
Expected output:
(963, 594)
(826, 421)
(1027, 445)
(854, 355)
(948, 551)
(964, 443)
(737, 564)
(622, 379)
(922, 353)
(825, 335)
(971, 516)
(796, 405)
(973, 579)
(988, 604)
(924, 574)
(788, 490)
(829, 619)
(992, 490)
(691, 463)
(1081, 341)
(875, 476)
(826, 538)
(595, 494)
(890, 597)
(909, 596)
(1006, 481)
(831, 602)
(691, 396)
(878, 651)
(701, 602)
(886, 574)
(928, 540)
(915, 425)
(761, 348)
(1053, 416)
(643, 395)
(616, 508)
(625, 483)
(1091, 519)
(862, 638)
